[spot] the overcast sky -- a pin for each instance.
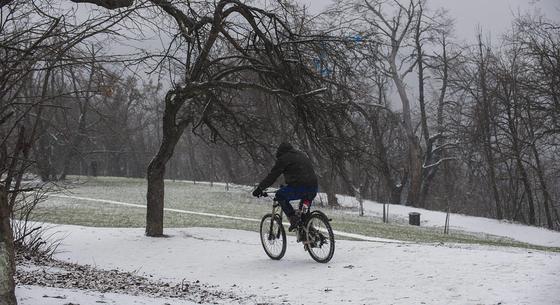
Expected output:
(493, 16)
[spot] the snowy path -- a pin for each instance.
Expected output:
(360, 272)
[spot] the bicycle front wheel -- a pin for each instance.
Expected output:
(320, 238)
(273, 236)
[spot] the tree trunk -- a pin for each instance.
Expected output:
(155, 196)
(546, 195)
(487, 137)
(415, 172)
(192, 158)
(528, 190)
(539, 169)
(433, 155)
(426, 173)
(525, 180)
(391, 190)
(172, 132)
(414, 149)
(492, 175)
(155, 177)
(332, 201)
(7, 255)
(359, 198)
(328, 185)
(73, 148)
(232, 172)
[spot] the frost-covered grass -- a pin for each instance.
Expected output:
(88, 213)
(236, 201)
(198, 197)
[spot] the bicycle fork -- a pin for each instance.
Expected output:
(270, 231)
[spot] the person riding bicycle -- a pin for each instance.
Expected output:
(300, 178)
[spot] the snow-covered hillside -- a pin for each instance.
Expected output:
(360, 272)
(520, 232)
(527, 234)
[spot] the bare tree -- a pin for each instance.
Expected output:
(394, 33)
(7, 258)
(33, 44)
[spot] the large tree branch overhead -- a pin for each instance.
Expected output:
(108, 4)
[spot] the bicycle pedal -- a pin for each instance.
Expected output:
(300, 236)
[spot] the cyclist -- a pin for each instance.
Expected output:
(300, 178)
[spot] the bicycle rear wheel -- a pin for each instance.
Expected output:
(320, 238)
(273, 236)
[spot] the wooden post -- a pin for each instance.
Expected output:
(446, 227)
(384, 215)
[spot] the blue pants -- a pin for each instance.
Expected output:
(287, 193)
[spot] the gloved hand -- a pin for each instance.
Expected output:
(257, 192)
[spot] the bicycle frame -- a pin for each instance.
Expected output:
(276, 206)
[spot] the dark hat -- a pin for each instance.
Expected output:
(283, 148)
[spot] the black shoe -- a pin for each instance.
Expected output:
(295, 221)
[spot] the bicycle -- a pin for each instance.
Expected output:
(314, 231)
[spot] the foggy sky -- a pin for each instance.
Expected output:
(492, 16)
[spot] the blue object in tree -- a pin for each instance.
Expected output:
(317, 63)
(326, 71)
(358, 38)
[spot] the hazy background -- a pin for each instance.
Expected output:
(493, 16)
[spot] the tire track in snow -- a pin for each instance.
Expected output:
(339, 233)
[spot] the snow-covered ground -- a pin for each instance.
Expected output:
(519, 232)
(360, 272)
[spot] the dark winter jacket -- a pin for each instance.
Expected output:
(296, 167)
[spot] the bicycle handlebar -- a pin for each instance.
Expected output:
(265, 194)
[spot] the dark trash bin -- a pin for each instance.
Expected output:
(414, 218)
